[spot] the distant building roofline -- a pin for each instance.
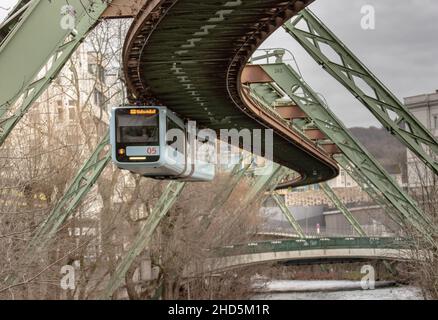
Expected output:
(420, 100)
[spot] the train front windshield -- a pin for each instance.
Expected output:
(136, 130)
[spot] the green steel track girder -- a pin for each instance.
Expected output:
(82, 183)
(268, 179)
(368, 187)
(350, 72)
(292, 84)
(29, 62)
(162, 207)
(347, 214)
(288, 214)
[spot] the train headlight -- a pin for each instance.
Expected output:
(122, 152)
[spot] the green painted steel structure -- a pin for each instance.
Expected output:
(267, 95)
(202, 98)
(347, 214)
(236, 176)
(264, 181)
(295, 87)
(319, 41)
(173, 190)
(312, 244)
(80, 186)
(31, 62)
(162, 207)
(13, 18)
(370, 189)
(288, 214)
(190, 57)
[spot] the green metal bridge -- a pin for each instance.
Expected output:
(302, 244)
(194, 57)
(306, 251)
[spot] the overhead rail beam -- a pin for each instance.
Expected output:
(200, 78)
(119, 9)
(315, 37)
(267, 94)
(291, 83)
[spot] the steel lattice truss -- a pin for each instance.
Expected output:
(78, 189)
(347, 214)
(288, 214)
(32, 53)
(28, 75)
(318, 41)
(309, 102)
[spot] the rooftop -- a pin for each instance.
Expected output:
(422, 99)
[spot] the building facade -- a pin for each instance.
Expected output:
(425, 108)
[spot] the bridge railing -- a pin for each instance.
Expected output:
(312, 244)
(312, 232)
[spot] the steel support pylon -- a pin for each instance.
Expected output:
(236, 176)
(162, 207)
(82, 183)
(371, 190)
(347, 214)
(268, 179)
(288, 214)
(295, 87)
(364, 85)
(34, 52)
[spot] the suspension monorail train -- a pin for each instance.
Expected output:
(153, 142)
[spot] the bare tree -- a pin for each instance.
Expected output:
(424, 260)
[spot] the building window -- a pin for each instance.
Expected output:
(61, 114)
(99, 98)
(71, 113)
(435, 121)
(97, 71)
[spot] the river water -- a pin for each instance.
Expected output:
(333, 290)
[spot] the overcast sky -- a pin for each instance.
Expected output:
(5, 4)
(402, 51)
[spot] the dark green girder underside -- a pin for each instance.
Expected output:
(190, 76)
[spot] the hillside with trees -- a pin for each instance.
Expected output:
(385, 147)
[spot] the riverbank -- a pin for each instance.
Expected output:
(282, 286)
(334, 290)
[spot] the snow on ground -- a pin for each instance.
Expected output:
(347, 290)
(296, 285)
